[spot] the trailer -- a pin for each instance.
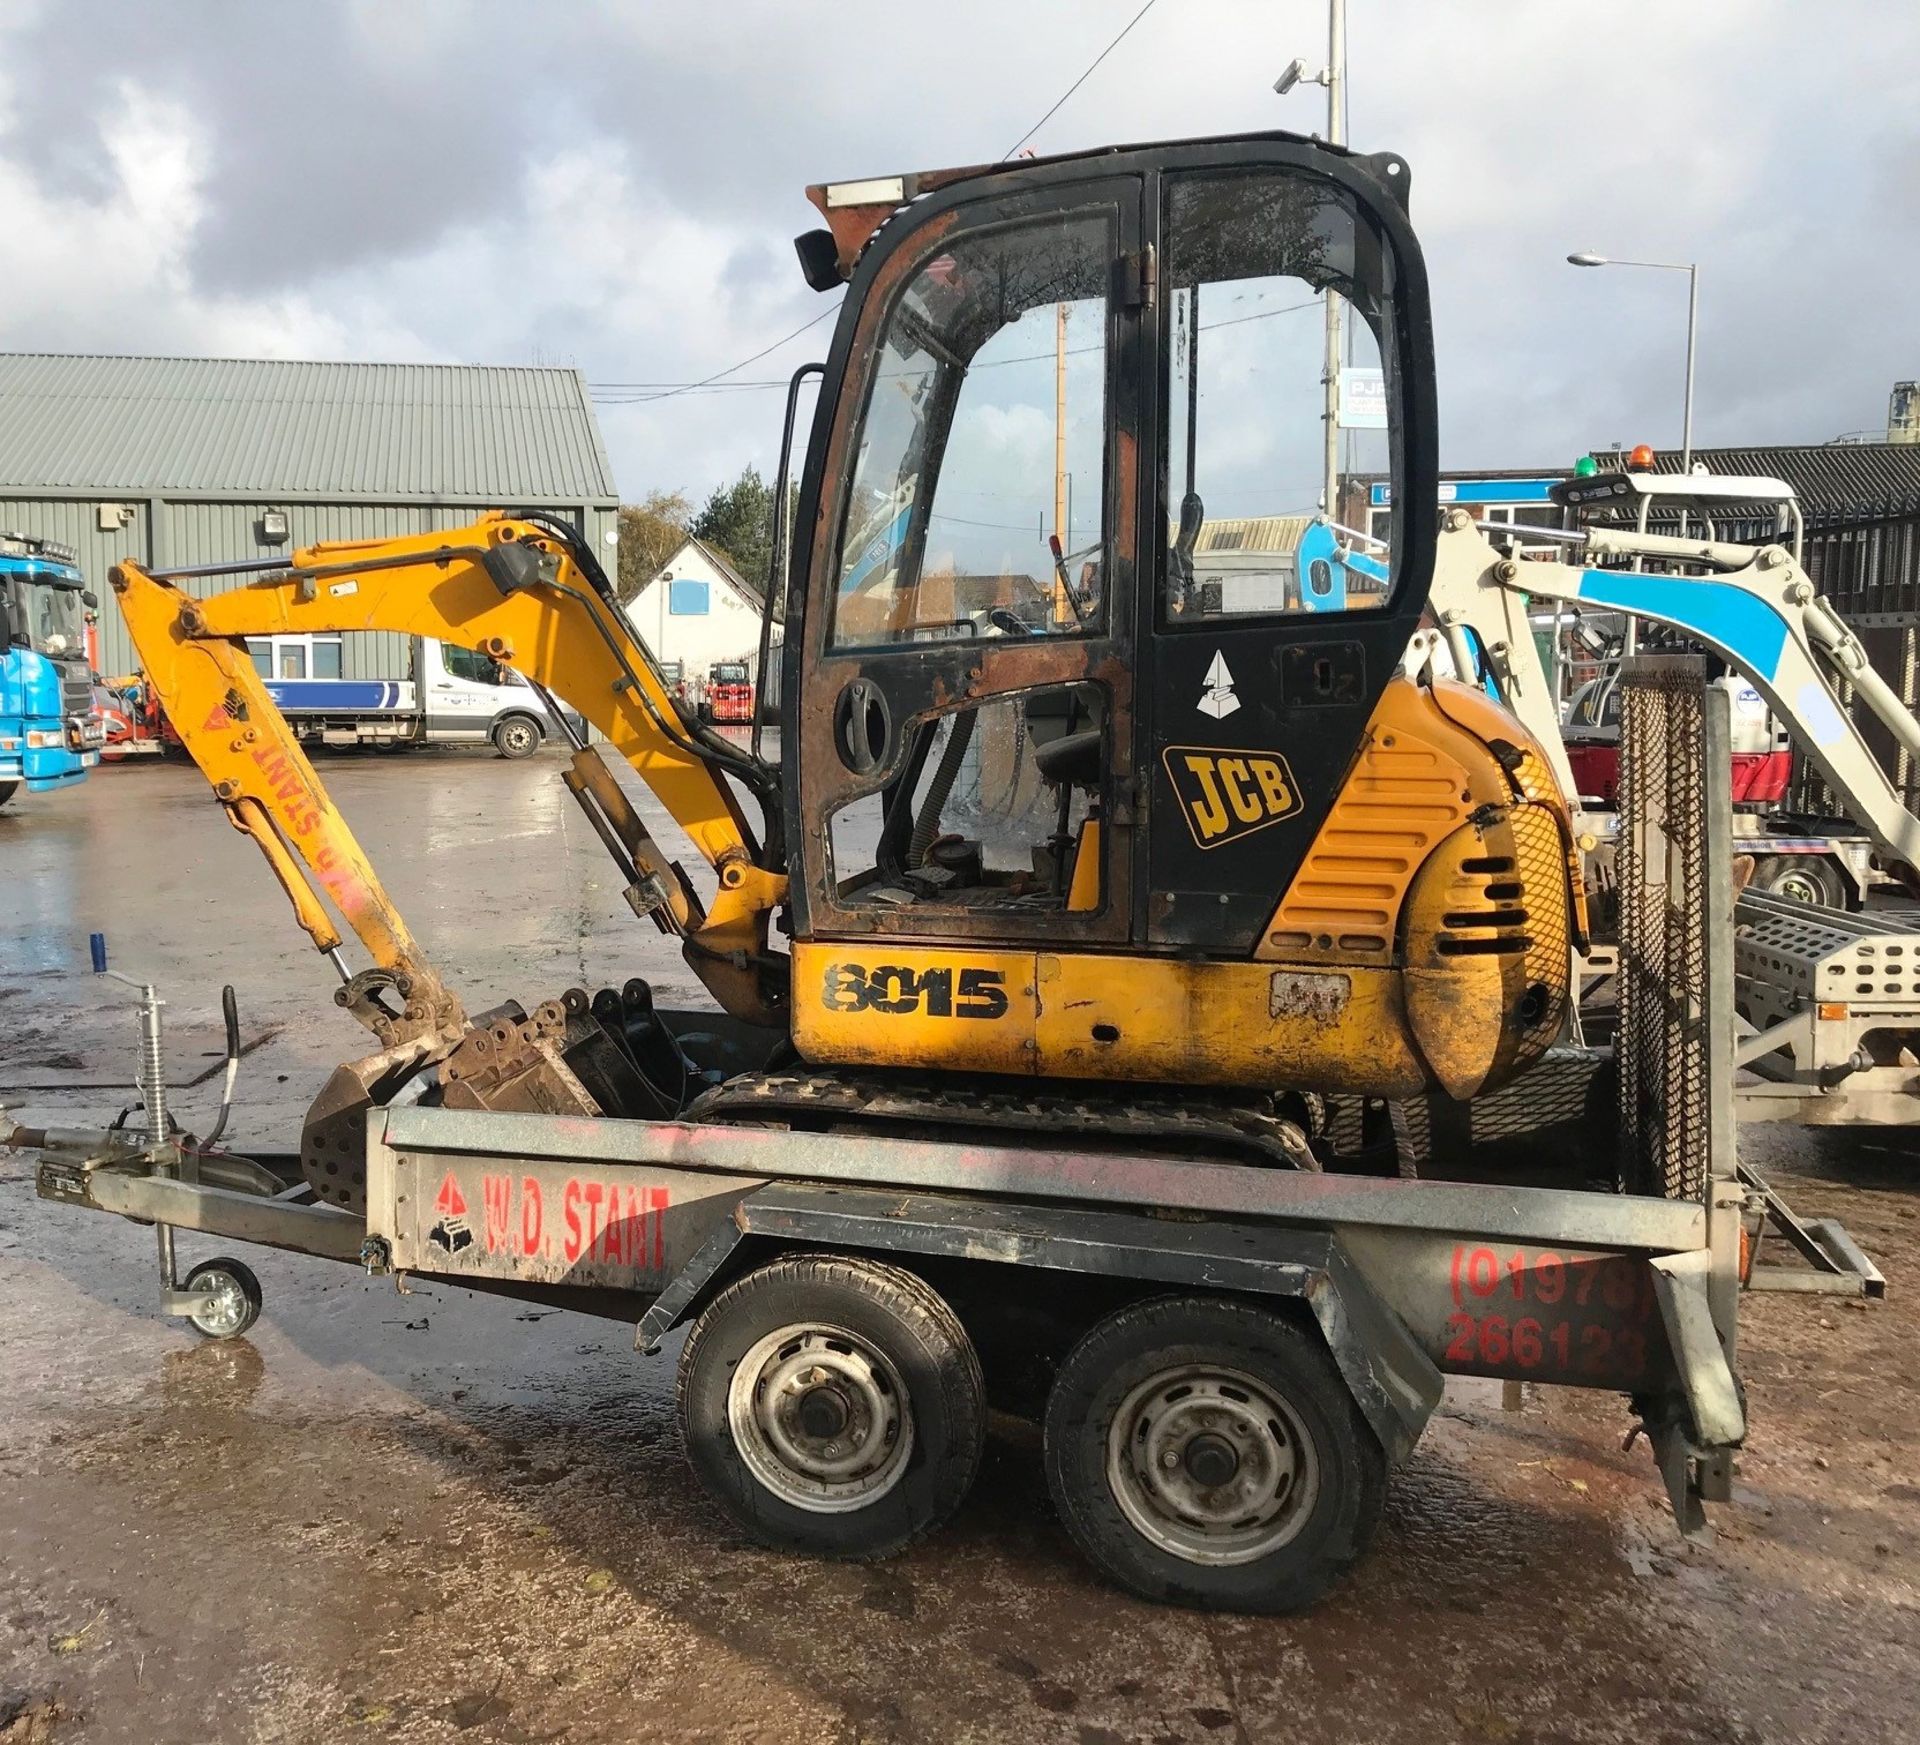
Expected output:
(1226, 1357)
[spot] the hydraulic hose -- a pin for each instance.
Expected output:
(926, 823)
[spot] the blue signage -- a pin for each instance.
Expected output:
(1478, 491)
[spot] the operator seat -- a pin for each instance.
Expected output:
(1072, 760)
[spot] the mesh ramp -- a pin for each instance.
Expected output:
(1674, 1043)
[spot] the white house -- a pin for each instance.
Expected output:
(697, 611)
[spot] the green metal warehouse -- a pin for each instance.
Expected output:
(185, 461)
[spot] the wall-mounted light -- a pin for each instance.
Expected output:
(275, 527)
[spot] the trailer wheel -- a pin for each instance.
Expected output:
(236, 1298)
(516, 736)
(1207, 1452)
(1806, 878)
(832, 1406)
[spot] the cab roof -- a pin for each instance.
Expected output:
(854, 209)
(1605, 490)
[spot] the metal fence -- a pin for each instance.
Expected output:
(1674, 1042)
(1867, 564)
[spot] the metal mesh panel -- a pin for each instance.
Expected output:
(1866, 565)
(1674, 871)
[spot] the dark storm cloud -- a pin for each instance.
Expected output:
(341, 135)
(328, 150)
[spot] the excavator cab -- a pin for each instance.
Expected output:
(1127, 343)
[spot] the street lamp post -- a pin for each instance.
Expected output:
(1333, 76)
(1586, 258)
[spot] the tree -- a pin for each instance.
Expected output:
(651, 531)
(737, 520)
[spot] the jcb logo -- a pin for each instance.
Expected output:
(1229, 794)
(974, 993)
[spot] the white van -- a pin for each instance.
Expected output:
(452, 697)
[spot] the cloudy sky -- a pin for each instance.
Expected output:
(614, 185)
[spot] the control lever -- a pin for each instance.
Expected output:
(1060, 576)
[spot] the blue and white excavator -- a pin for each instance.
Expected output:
(1829, 1001)
(1753, 606)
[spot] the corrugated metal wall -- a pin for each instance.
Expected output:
(203, 533)
(200, 532)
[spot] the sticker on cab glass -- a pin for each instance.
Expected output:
(1226, 795)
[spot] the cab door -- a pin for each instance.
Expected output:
(462, 691)
(1264, 668)
(967, 720)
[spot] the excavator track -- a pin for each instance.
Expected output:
(1210, 1130)
(612, 1054)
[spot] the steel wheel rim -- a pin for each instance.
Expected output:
(820, 1417)
(227, 1312)
(1157, 1438)
(516, 734)
(1802, 887)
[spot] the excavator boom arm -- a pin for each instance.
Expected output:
(515, 591)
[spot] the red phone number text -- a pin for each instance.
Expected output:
(1534, 1311)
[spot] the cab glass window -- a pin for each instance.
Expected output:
(464, 663)
(1252, 261)
(979, 496)
(295, 656)
(59, 619)
(995, 811)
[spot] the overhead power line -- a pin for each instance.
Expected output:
(754, 358)
(621, 394)
(1069, 91)
(639, 393)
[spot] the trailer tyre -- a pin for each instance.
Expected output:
(236, 1298)
(1806, 878)
(516, 736)
(1207, 1452)
(833, 1406)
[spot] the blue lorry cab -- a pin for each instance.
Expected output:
(49, 734)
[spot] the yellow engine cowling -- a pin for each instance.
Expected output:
(1449, 854)
(1486, 949)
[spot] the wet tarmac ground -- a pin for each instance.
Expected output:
(443, 1517)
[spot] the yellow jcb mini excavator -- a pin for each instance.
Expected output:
(1133, 826)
